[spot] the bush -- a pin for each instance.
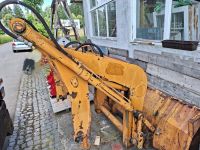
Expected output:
(5, 39)
(1, 32)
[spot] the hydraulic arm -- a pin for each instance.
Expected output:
(76, 76)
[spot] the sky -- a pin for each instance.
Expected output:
(46, 3)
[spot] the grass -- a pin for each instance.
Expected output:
(82, 39)
(5, 39)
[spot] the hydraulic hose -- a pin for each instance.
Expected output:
(72, 43)
(93, 46)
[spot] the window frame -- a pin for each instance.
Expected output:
(103, 3)
(167, 22)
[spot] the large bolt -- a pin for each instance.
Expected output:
(134, 141)
(74, 82)
(19, 27)
(79, 137)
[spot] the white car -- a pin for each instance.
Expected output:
(18, 46)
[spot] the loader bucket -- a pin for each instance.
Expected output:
(177, 123)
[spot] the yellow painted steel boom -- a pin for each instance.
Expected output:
(119, 87)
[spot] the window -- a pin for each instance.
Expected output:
(112, 19)
(180, 20)
(103, 17)
(102, 21)
(92, 3)
(165, 19)
(177, 26)
(184, 20)
(94, 23)
(150, 19)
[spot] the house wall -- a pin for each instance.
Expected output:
(175, 72)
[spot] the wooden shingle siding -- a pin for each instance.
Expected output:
(174, 75)
(174, 90)
(188, 82)
(119, 52)
(186, 67)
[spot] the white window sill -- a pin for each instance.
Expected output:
(147, 42)
(153, 46)
(105, 38)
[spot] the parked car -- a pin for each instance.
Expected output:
(18, 46)
(6, 125)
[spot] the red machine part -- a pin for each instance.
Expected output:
(52, 83)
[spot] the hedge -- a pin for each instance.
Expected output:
(5, 39)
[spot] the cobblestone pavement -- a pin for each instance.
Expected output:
(37, 127)
(34, 125)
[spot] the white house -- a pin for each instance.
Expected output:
(67, 23)
(133, 30)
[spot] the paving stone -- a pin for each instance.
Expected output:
(17, 147)
(37, 147)
(10, 148)
(36, 126)
(30, 143)
(11, 144)
(19, 142)
(29, 148)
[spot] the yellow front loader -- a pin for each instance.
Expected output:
(119, 87)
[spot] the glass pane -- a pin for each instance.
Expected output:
(178, 30)
(177, 26)
(94, 23)
(150, 19)
(112, 19)
(92, 3)
(102, 21)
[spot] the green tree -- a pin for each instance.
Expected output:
(39, 26)
(2, 14)
(7, 18)
(47, 15)
(18, 11)
(77, 12)
(6, 15)
(35, 4)
(5, 10)
(81, 20)
(30, 18)
(1, 32)
(76, 9)
(61, 13)
(9, 10)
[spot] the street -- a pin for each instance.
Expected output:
(11, 71)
